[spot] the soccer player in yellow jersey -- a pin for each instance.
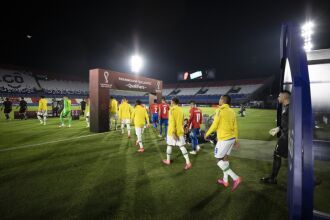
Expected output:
(226, 126)
(125, 111)
(113, 109)
(175, 133)
(139, 118)
(42, 110)
(87, 110)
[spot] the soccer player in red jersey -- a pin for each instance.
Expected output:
(154, 113)
(194, 124)
(164, 108)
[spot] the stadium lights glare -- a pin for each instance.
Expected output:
(306, 33)
(136, 63)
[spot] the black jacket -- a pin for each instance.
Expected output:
(23, 104)
(284, 122)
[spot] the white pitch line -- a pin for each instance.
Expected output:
(49, 142)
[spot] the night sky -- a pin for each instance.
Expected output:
(240, 39)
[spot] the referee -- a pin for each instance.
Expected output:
(7, 108)
(22, 109)
(281, 149)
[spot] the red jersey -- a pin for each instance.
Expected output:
(154, 108)
(164, 108)
(196, 118)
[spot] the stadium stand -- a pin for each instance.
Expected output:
(57, 87)
(208, 92)
(166, 91)
(18, 82)
(14, 83)
(216, 90)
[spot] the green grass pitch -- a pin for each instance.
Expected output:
(48, 172)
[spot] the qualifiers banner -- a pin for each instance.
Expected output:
(124, 81)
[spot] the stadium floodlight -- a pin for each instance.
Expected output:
(136, 63)
(306, 33)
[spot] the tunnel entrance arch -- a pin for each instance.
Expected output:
(100, 83)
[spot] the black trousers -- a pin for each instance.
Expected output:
(281, 150)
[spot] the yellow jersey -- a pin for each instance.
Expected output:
(140, 116)
(42, 104)
(224, 123)
(125, 111)
(113, 106)
(175, 121)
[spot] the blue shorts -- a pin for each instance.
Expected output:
(154, 117)
(164, 121)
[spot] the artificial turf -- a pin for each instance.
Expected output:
(80, 175)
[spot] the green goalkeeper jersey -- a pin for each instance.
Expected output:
(67, 105)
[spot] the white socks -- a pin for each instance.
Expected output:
(183, 150)
(128, 129)
(138, 132)
(185, 154)
(168, 153)
(122, 128)
(224, 166)
(128, 126)
(42, 119)
(232, 174)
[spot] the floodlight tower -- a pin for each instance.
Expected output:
(136, 63)
(306, 33)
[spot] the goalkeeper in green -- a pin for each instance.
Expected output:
(66, 112)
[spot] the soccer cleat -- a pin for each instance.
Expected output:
(188, 166)
(160, 135)
(166, 162)
(193, 152)
(198, 148)
(129, 136)
(44, 123)
(236, 183)
(69, 126)
(41, 122)
(268, 180)
(61, 126)
(221, 182)
(141, 150)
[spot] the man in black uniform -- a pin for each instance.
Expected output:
(83, 107)
(22, 108)
(281, 149)
(55, 107)
(7, 105)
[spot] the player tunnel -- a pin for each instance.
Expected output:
(307, 76)
(101, 82)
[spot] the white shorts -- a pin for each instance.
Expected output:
(223, 148)
(113, 116)
(42, 113)
(171, 142)
(126, 121)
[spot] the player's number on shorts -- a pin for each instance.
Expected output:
(198, 118)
